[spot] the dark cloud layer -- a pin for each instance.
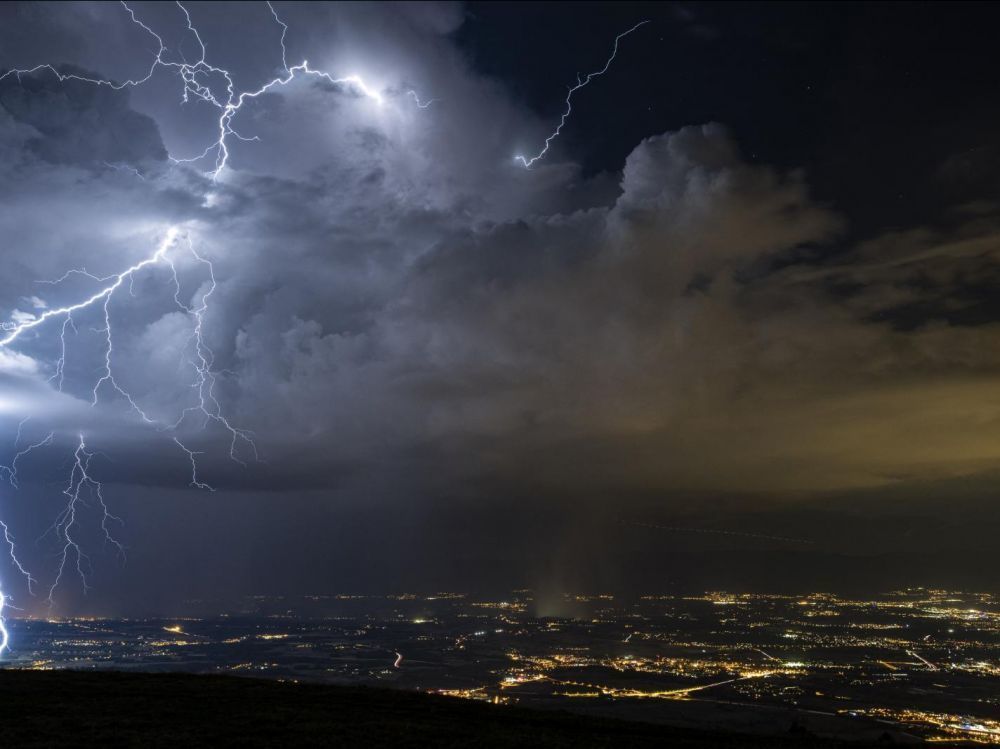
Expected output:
(402, 314)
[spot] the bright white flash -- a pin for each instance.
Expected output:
(197, 83)
(527, 161)
(200, 80)
(4, 637)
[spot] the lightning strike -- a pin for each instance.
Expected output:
(192, 456)
(416, 98)
(201, 81)
(10, 471)
(9, 540)
(196, 84)
(527, 161)
(4, 637)
(201, 361)
(16, 329)
(79, 479)
(284, 30)
(82, 488)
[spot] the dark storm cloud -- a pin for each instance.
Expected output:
(78, 123)
(397, 300)
(642, 335)
(396, 285)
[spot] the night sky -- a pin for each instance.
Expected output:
(738, 327)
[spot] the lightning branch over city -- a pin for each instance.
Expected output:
(200, 81)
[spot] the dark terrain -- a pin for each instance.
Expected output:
(65, 708)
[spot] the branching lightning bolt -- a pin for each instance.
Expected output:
(205, 377)
(284, 31)
(79, 479)
(207, 403)
(527, 161)
(16, 330)
(10, 472)
(196, 84)
(200, 81)
(81, 483)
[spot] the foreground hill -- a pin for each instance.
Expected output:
(108, 709)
